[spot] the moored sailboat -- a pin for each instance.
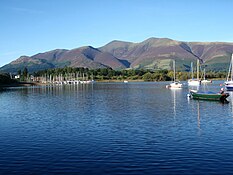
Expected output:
(175, 84)
(205, 81)
(229, 82)
(194, 82)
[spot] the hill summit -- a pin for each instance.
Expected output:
(153, 53)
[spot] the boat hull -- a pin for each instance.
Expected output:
(175, 85)
(206, 81)
(194, 82)
(229, 85)
(209, 96)
(229, 88)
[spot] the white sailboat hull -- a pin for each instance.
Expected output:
(206, 81)
(229, 85)
(175, 85)
(229, 82)
(194, 82)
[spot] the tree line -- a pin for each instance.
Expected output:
(6, 79)
(129, 74)
(109, 74)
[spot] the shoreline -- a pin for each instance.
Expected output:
(28, 84)
(20, 84)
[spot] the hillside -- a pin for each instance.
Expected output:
(153, 53)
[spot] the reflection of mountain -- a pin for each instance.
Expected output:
(153, 53)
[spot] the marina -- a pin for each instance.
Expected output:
(67, 79)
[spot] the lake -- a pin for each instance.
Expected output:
(114, 128)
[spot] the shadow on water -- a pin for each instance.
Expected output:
(2, 89)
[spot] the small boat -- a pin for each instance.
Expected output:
(229, 85)
(194, 82)
(205, 81)
(229, 82)
(125, 81)
(209, 95)
(175, 84)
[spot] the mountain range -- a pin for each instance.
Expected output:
(153, 53)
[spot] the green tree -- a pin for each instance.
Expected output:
(148, 77)
(19, 72)
(25, 73)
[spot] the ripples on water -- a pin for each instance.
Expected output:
(104, 128)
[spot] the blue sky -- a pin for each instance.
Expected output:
(32, 26)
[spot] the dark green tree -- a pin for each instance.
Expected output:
(25, 73)
(19, 72)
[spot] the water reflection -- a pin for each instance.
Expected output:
(230, 99)
(174, 94)
(52, 90)
(198, 115)
(116, 128)
(195, 110)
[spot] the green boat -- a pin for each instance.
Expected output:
(212, 96)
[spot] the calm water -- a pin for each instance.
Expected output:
(134, 128)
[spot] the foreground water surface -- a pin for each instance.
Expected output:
(113, 128)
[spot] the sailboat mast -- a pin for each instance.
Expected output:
(192, 69)
(204, 73)
(198, 69)
(174, 69)
(230, 69)
(231, 66)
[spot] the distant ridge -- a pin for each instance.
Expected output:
(153, 53)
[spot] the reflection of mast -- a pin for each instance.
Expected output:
(174, 102)
(231, 101)
(174, 69)
(198, 65)
(198, 115)
(174, 92)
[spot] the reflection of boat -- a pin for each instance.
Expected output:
(194, 82)
(199, 95)
(175, 84)
(229, 82)
(175, 97)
